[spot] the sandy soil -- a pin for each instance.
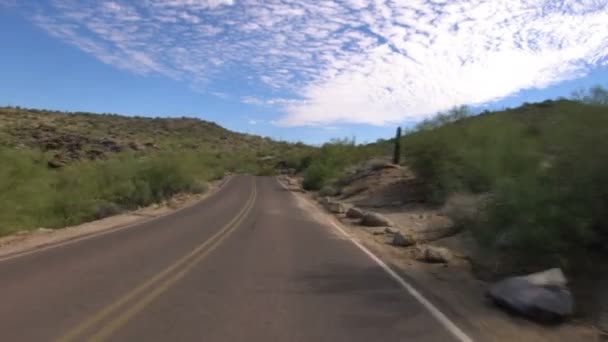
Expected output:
(452, 286)
(26, 241)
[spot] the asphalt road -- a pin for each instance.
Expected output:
(247, 264)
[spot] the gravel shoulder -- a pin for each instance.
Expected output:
(27, 241)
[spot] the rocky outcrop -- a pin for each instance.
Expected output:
(372, 219)
(541, 296)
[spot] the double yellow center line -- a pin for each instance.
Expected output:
(155, 286)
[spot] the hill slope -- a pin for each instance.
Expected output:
(60, 169)
(84, 136)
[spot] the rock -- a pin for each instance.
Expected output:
(550, 278)
(355, 213)
(44, 230)
(135, 146)
(389, 230)
(402, 240)
(434, 255)
(372, 219)
(335, 207)
(56, 163)
(543, 297)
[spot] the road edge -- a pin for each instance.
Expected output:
(445, 321)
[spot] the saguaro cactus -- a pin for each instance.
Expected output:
(397, 150)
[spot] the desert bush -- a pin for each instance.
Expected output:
(31, 195)
(315, 176)
(543, 166)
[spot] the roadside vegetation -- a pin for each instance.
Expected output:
(543, 164)
(543, 168)
(60, 169)
(322, 166)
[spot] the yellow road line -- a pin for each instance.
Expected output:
(101, 315)
(123, 318)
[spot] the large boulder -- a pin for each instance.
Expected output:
(403, 240)
(372, 219)
(355, 213)
(541, 296)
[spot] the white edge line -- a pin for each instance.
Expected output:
(43, 247)
(440, 316)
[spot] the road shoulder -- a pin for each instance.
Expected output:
(451, 287)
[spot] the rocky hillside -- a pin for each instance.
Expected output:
(69, 137)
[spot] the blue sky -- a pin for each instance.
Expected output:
(298, 70)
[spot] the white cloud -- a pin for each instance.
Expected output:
(357, 61)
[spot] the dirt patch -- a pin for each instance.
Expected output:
(25, 241)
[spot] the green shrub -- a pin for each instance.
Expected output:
(31, 195)
(315, 176)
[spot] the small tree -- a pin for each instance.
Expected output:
(397, 150)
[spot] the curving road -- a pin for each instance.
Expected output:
(247, 264)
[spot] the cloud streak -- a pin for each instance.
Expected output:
(348, 61)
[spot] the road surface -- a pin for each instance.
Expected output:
(247, 264)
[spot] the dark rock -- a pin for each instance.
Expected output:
(542, 297)
(56, 163)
